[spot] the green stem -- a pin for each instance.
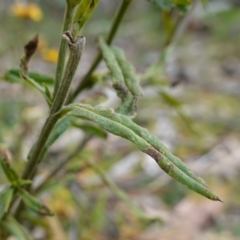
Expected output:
(76, 49)
(113, 30)
(35, 155)
(37, 148)
(63, 47)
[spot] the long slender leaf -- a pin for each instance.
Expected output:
(115, 70)
(39, 88)
(34, 79)
(9, 172)
(130, 77)
(5, 199)
(151, 139)
(123, 126)
(123, 78)
(33, 203)
(13, 75)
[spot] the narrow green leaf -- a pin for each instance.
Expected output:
(129, 103)
(34, 79)
(92, 129)
(115, 71)
(154, 141)
(5, 199)
(130, 77)
(121, 125)
(38, 87)
(41, 78)
(13, 75)
(9, 172)
(15, 228)
(33, 203)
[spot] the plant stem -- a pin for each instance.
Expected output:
(63, 162)
(63, 47)
(35, 156)
(76, 49)
(113, 30)
(37, 147)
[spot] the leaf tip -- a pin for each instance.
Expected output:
(218, 199)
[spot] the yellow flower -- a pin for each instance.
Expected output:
(50, 54)
(29, 10)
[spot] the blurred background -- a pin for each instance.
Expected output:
(191, 102)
